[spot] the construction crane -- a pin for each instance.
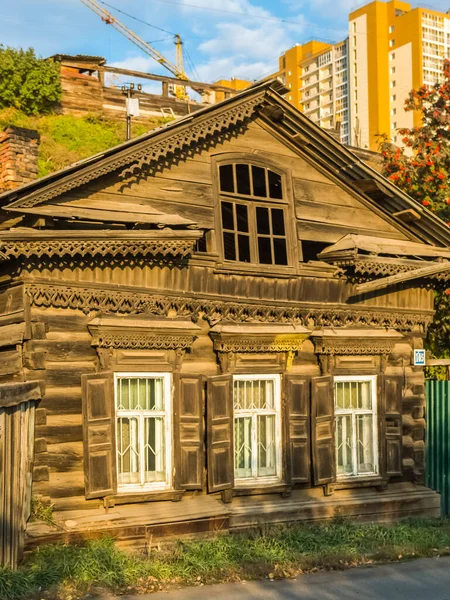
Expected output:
(176, 69)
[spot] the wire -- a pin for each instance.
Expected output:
(135, 18)
(191, 63)
(251, 16)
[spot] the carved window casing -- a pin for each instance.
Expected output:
(254, 215)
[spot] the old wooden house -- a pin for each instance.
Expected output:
(215, 322)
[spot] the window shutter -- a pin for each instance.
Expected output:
(323, 442)
(219, 412)
(392, 388)
(188, 432)
(99, 435)
(297, 427)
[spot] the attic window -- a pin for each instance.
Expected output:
(250, 180)
(253, 220)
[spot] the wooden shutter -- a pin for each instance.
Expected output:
(392, 388)
(323, 443)
(219, 412)
(188, 431)
(297, 428)
(99, 435)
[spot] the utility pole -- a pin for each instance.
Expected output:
(132, 104)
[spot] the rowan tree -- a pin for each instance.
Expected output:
(421, 168)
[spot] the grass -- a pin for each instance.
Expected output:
(68, 572)
(66, 139)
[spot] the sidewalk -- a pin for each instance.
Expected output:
(423, 579)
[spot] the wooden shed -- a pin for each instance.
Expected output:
(223, 313)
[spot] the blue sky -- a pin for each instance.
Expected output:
(221, 43)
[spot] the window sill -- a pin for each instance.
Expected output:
(358, 482)
(136, 497)
(259, 489)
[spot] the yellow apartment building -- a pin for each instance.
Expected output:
(391, 49)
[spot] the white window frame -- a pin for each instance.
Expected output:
(250, 481)
(140, 414)
(357, 411)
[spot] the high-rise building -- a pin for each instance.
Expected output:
(391, 49)
(316, 75)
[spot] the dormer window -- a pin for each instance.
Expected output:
(253, 217)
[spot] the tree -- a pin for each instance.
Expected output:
(422, 169)
(28, 83)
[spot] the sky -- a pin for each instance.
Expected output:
(222, 38)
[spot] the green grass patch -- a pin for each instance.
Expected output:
(66, 139)
(69, 571)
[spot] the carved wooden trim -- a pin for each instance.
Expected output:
(89, 299)
(255, 345)
(50, 248)
(353, 347)
(142, 341)
(384, 268)
(161, 143)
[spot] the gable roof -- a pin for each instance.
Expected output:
(264, 100)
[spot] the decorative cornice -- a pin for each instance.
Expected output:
(142, 341)
(257, 345)
(367, 268)
(38, 248)
(353, 347)
(161, 143)
(89, 299)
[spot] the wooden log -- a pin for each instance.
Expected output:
(13, 334)
(61, 428)
(12, 394)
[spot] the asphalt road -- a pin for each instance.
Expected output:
(424, 579)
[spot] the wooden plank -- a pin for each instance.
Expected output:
(62, 400)
(325, 232)
(10, 362)
(12, 394)
(13, 334)
(345, 215)
(384, 282)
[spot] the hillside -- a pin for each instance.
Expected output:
(65, 139)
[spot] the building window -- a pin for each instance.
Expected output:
(391, 29)
(356, 426)
(393, 97)
(394, 111)
(392, 84)
(392, 70)
(257, 430)
(394, 125)
(392, 56)
(253, 230)
(391, 43)
(143, 435)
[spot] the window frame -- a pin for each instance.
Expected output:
(375, 429)
(278, 477)
(285, 203)
(168, 429)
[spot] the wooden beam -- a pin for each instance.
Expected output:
(165, 79)
(378, 284)
(407, 215)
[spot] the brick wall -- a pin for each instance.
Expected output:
(18, 157)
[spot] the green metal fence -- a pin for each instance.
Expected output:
(438, 440)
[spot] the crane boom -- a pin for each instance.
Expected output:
(110, 20)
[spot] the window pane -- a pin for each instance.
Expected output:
(262, 220)
(277, 221)
(364, 444)
(344, 444)
(266, 446)
(259, 181)
(243, 447)
(154, 450)
(275, 189)
(279, 248)
(241, 217)
(128, 450)
(244, 248)
(364, 395)
(229, 247)
(264, 251)
(243, 179)
(227, 215)
(226, 178)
